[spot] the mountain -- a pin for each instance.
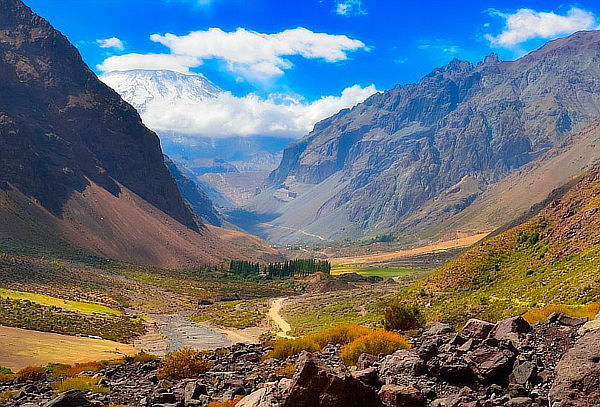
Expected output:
(78, 166)
(140, 87)
(549, 257)
(437, 144)
(198, 200)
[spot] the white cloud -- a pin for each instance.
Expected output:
(526, 24)
(177, 63)
(440, 46)
(112, 42)
(349, 8)
(254, 55)
(228, 115)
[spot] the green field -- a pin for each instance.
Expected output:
(385, 272)
(75, 306)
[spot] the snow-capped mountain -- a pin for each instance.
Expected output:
(139, 87)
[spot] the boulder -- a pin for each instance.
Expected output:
(438, 328)
(488, 363)
(402, 363)
(476, 329)
(192, 391)
(315, 385)
(401, 396)
(577, 376)
(71, 398)
(523, 372)
(519, 402)
(506, 327)
(465, 398)
(368, 376)
(567, 320)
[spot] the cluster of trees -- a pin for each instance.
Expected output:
(298, 268)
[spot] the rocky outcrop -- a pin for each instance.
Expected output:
(439, 142)
(577, 382)
(439, 371)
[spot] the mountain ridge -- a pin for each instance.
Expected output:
(461, 128)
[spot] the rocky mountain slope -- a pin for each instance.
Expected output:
(438, 143)
(550, 259)
(199, 202)
(78, 166)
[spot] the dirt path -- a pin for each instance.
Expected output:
(273, 313)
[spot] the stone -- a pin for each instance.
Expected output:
(368, 376)
(71, 398)
(476, 329)
(401, 363)
(165, 398)
(577, 375)
(519, 402)
(505, 327)
(315, 385)
(366, 360)
(401, 396)
(437, 329)
(523, 372)
(488, 363)
(193, 391)
(567, 320)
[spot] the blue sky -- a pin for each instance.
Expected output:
(380, 42)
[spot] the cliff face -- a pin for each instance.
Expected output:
(60, 127)
(459, 129)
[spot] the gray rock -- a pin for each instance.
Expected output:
(508, 326)
(71, 398)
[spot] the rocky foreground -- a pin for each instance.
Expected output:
(510, 363)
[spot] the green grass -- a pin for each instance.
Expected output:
(384, 272)
(30, 315)
(508, 275)
(76, 306)
(233, 314)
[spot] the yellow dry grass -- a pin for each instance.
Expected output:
(22, 347)
(399, 254)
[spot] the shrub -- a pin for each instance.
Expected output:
(376, 343)
(401, 317)
(286, 371)
(144, 357)
(74, 370)
(183, 364)
(5, 395)
(5, 370)
(339, 335)
(541, 314)
(31, 373)
(7, 377)
(229, 403)
(82, 383)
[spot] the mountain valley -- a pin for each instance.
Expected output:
(437, 245)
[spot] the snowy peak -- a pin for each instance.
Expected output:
(141, 87)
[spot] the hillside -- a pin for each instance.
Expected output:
(552, 258)
(78, 167)
(437, 144)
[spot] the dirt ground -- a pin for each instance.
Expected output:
(21, 347)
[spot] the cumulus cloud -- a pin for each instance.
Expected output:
(112, 42)
(251, 54)
(527, 24)
(349, 8)
(228, 115)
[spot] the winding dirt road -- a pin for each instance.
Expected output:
(283, 325)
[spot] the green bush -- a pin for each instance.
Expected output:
(401, 317)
